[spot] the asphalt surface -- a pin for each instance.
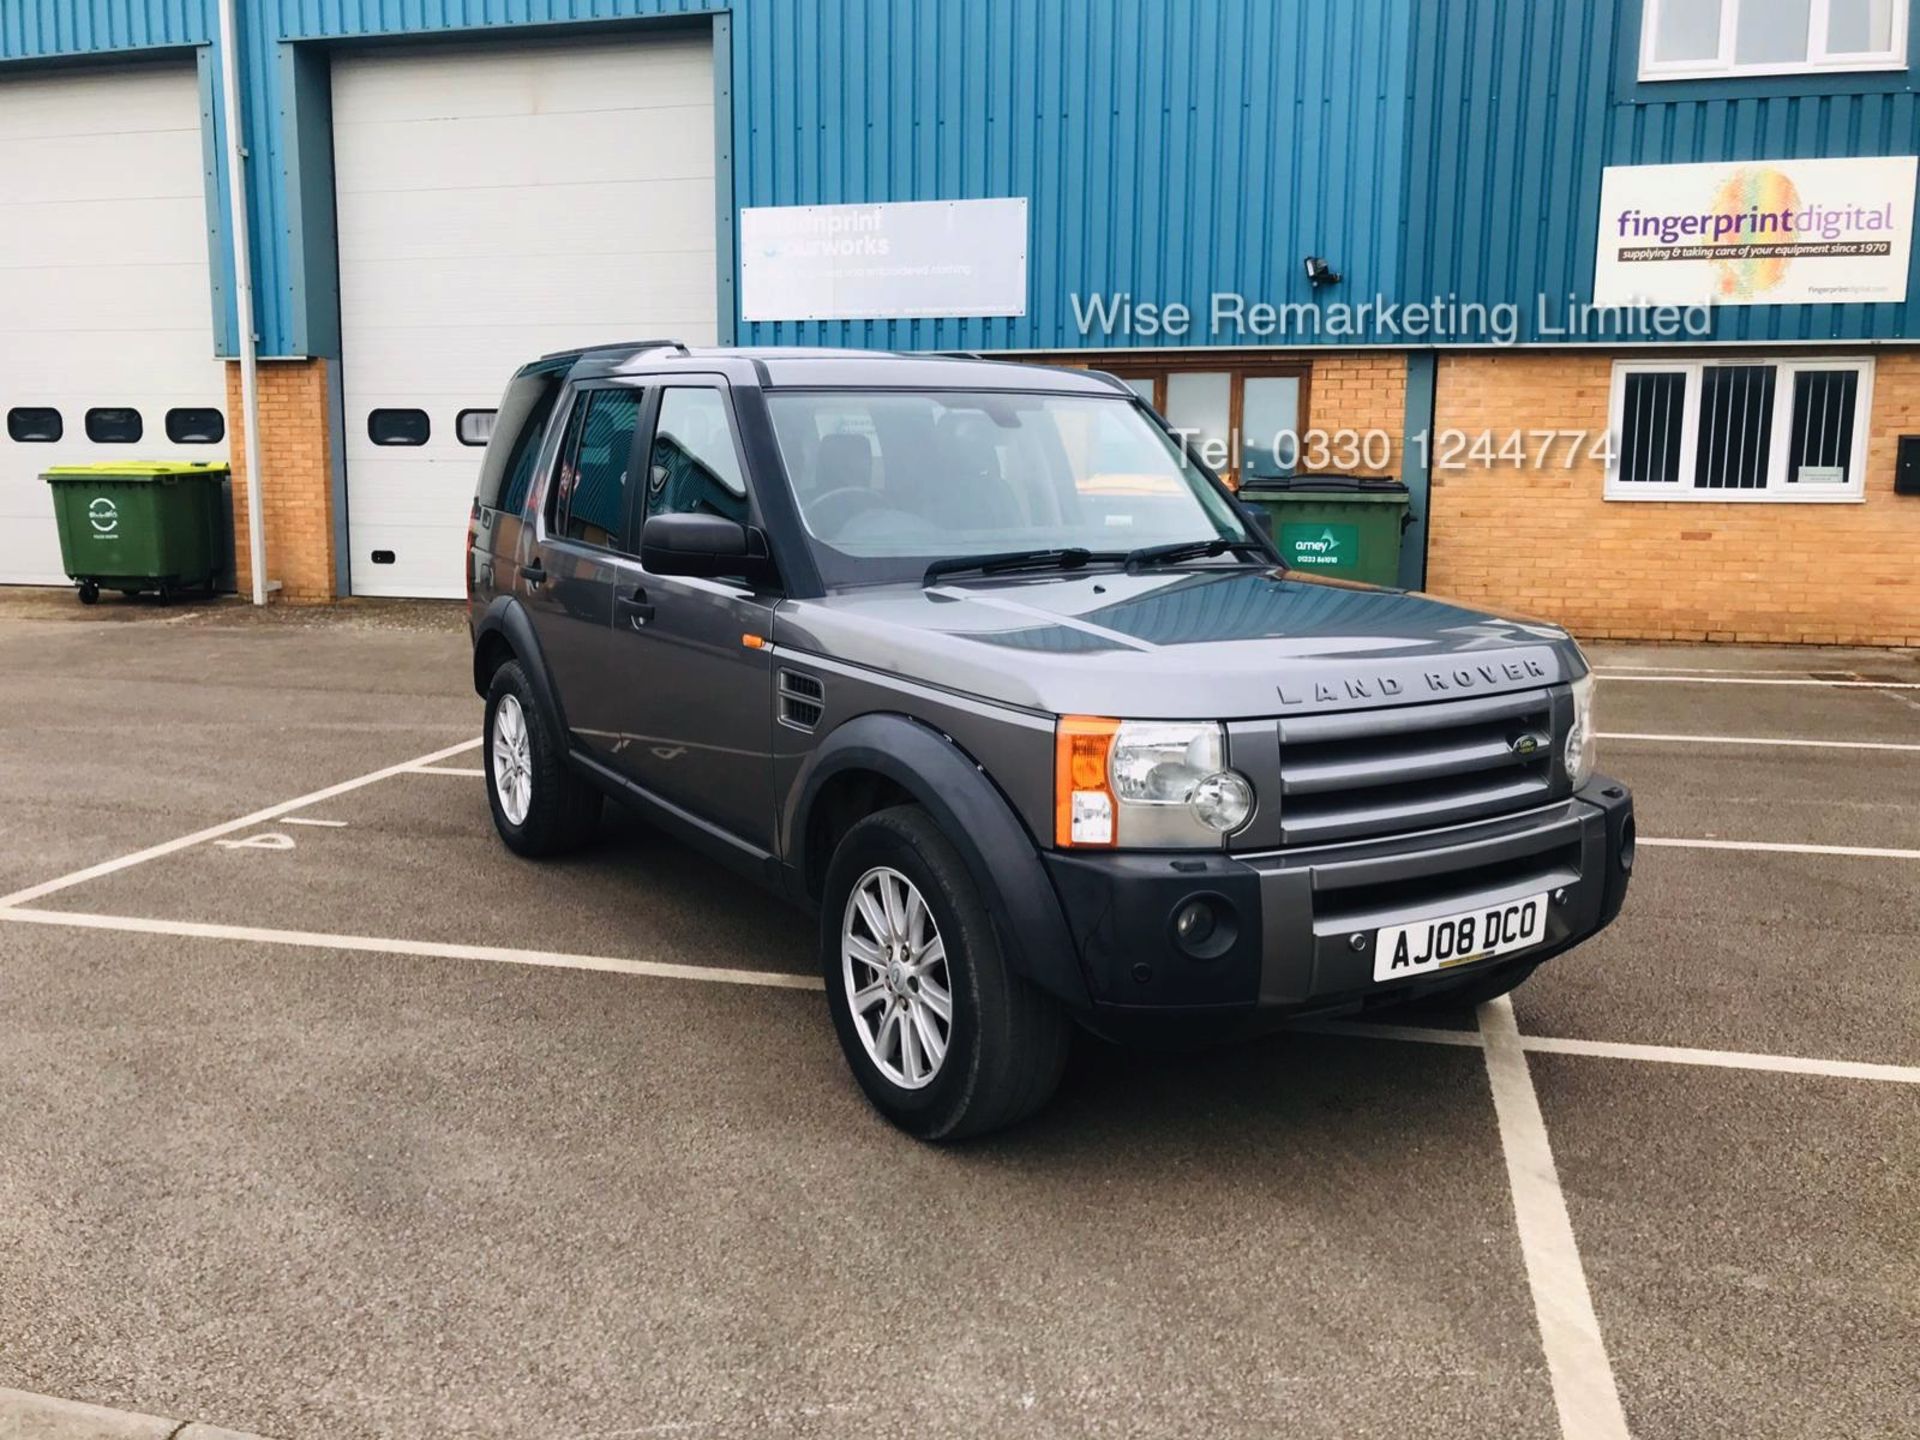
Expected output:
(308, 1191)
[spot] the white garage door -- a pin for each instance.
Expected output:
(494, 205)
(106, 311)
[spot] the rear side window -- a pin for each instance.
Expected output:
(34, 424)
(589, 499)
(196, 427)
(398, 427)
(513, 449)
(114, 425)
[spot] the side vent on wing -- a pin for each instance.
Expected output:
(802, 700)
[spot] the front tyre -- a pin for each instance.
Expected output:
(540, 806)
(943, 1038)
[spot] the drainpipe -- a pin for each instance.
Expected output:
(243, 298)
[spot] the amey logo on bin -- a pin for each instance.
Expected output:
(1323, 551)
(104, 516)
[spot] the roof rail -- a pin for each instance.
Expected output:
(1114, 380)
(627, 345)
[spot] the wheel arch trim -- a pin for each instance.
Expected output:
(506, 618)
(976, 820)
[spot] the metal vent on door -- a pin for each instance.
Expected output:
(802, 700)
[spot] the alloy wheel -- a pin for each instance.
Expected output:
(894, 965)
(512, 759)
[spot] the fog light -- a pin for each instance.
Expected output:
(1194, 925)
(1203, 926)
(1626, 847)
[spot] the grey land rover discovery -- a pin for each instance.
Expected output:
(976, 662)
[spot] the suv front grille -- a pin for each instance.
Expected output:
(1380, 772)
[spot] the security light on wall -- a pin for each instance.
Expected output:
(1319, 272)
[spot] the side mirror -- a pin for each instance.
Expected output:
(710, 546)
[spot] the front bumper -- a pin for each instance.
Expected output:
(1302, 921)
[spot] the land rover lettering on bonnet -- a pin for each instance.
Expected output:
(981, 669)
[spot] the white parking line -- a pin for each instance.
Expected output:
(1725, 1059)
(1584, 1392)
(449, 770)
(214, 832)
(1646, 679)
(1906, 700)
(775, 979)
(24, 1414)
(1858, 852)
(424, 949)
(309, 820)
(1755, 740)
(1628, 1050)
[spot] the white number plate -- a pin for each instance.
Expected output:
(1450, 940)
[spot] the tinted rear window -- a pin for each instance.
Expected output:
(506, 471)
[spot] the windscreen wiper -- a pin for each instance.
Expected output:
(1071, 558)
(1193, 550)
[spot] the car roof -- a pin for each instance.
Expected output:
(779, 367)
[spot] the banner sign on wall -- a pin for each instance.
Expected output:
(882, 262)
(1755, 232)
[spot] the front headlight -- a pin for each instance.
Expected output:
(1580, 742)
(1145, 784)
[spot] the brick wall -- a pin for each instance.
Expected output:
(1363, 391)
(296, 466)
(1544, 541)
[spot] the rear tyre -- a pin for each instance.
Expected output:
(540, 806)
(944, 1039)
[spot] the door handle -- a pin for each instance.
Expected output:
(534, 574)
(635, 607)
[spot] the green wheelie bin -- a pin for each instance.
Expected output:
(139, 526)
(1342, 525)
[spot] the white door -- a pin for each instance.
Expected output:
(496, 204)
(105, 299)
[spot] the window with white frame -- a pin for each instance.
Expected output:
(1691, 39)
(1742, 428)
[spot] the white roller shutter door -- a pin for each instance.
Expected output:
(496, 204)
(105, 296)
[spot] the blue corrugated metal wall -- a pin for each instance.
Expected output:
(1525, 102)
(1169, 148)
(40, 28)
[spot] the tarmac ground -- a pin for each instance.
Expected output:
(341, 1121)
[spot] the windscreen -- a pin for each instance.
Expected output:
(889, 481)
